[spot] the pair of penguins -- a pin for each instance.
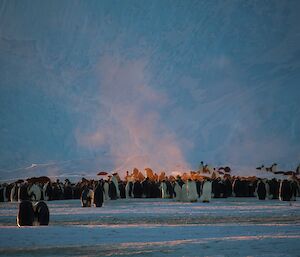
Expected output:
(96, 196)
(33, 214)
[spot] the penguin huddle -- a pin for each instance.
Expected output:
(30, 214)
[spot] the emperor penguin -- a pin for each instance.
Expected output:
(14, 193)
(192, 191)
(112, 191)
(35, 192)
(41, 212)
(25, 216)
(86, 197)
(285, 190)
(164, 192)
(1, 193)
(128, 189)
(261, 190)
(98, 195)
(206, 191)
(184, 193)
(116, 183)
(178, 191)
(106, 190)
(295, 189)
(47, 191)
(5, 199)
(22, 192)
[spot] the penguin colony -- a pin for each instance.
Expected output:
(192, 187)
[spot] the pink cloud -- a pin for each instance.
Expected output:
(133, 127)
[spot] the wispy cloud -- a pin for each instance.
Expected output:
(129, 123)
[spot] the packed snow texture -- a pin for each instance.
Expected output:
(156, 227)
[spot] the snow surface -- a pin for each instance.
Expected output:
(157, 227)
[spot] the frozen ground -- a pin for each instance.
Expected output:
(157, 227)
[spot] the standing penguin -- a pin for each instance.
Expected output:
(228, 187)
(22, 192)
(192, 191)
(4, 193)
(198, 186)
(285, 190)
(274, 188)
(128, 189)
(106, 190)
(178, 191)
(146, 187)
(112, 191)
(206, 191)
(261, 190)
(47, 191)
(295, 189)
(1, 193)
(137, 189)
(170, 189)
(25, 215)
(163, 188)
(122, 189)
(115, 180)
(86, 197)
(67, 190)
(98, 195)
(216, 188)
(35, 192)
(184, 193)
(237, 188)
(41, 213)
(14, 193)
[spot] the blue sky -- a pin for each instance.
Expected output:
(149, 83)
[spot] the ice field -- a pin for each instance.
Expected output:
(157, 227)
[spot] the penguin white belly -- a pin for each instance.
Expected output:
(184, 195)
